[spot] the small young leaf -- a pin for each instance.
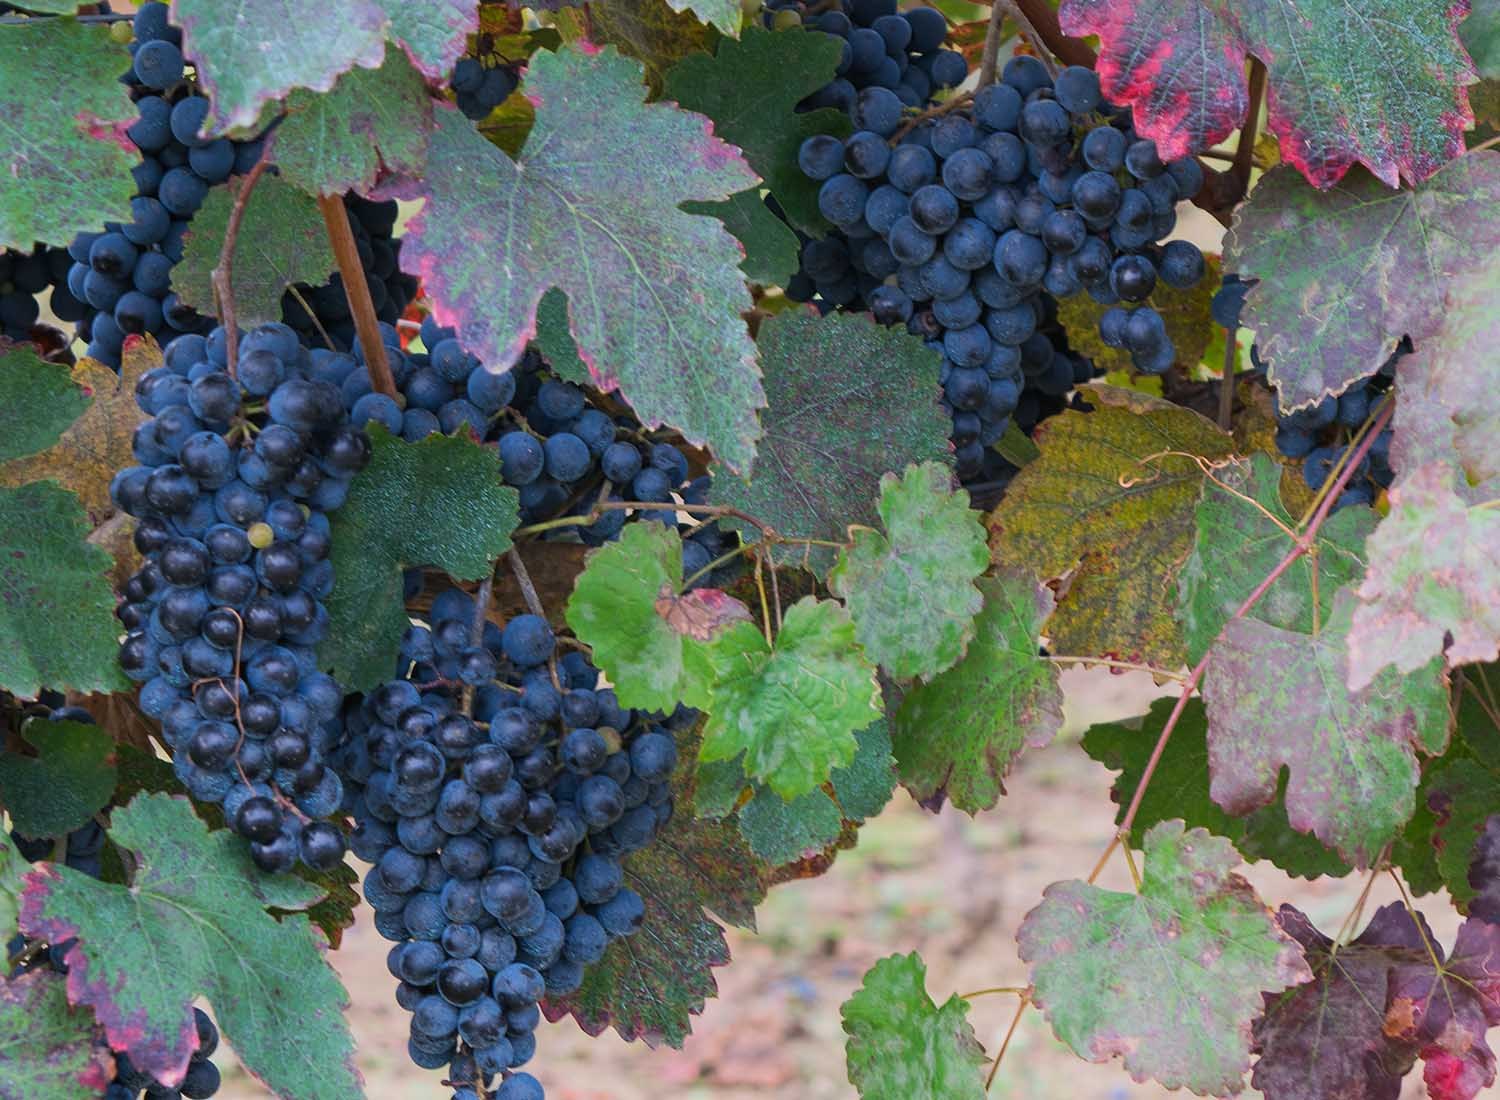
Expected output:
(440, 502)
(957, 736)
(1110, 501)
(193, 923)
(849, 400)
(47, 1049)
(56, 607)
(792, 709)
(68, 782)
(1170, 978)
(1276, 698)
(751, 89)
(668, 335)
(901, 1045)
(911, 590)
(66, 161)
(769, 243)
(38, 401)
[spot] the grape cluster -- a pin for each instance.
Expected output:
(237, 474)
(882, 48)
(479, 88)
(496, 787)
(967, 227)
(24, 275)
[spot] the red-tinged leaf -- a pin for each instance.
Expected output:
(654, 294)
(701, 613)
(433, 32)
(48, 1051)
(1382, 88)
(1328, 309)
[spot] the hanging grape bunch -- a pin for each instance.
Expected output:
(482, 80)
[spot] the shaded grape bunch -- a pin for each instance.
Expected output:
(479, 87)
(496, 788)
(237, 475)
(23, 276)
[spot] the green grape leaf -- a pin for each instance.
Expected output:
(751, 89)
(67, 783)
(1276, 698)
(849, 400)
(1242, 535)
(1384, 91)
(1324, 311)
(910, 590)
(555, 342)
(193, 923)
(782, 832)
(56, 607)
(864, 786)
(957, 736)
(668, 335)
(440, 502)
(12, 868)
(434, 33)
(1480, 33)
(282, 241)
(650, 31)
(1180, 789)
(1109, 503)
(1190, 325)
(901, 1045)
(724, 15)
(624, 607)
(1169, 978)
(47, 1049)
(648, 987)
(792, 709)
(374, 121)
(66, 160)
(38, 402)
(769, 243)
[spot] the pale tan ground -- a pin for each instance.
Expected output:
(953, 888)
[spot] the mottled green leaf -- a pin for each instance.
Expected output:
(38, 401)
(440, 502)
(724, 15)
(47, 1049)
(1169, 978)
(902, 1046)
(56, 607)
(1481, 37)
(1277, 698)
(780, 832)
(751, 89)
(1243, 532)
(769, 243)
(1111, 505)
(12, 867)
(65, 784)
(957, 736)
(556, 343)
(193, 923)
(650, 31)
(849, 400)
(792, 709)
(65, 159)
(864, 786)
(910, 590)
(433, 33)
(667, 334)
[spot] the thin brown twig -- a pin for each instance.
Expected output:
(317, 324)
(941, 109)
(482, 600)
(1029, 32)
(533, 603)
(357, 291)
(989, 58)
(1015, 1022)
(1244, 152)
(220, 278)
(1226, 379)
(1043, 20)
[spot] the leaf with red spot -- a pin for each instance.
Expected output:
(1347, 84)
(654, 294)
(48, 1050)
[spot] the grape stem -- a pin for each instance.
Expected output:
(221, 275)
(533, 603)
(1244, 151)
(1041, 20)
(357, 291)
(960, 100)
(1226, 379)
(629, 505)
(1028, 31)
(482, 600)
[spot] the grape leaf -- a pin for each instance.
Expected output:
(1186, 312)
(66, 161)
(615, 610)
(957, 736)
(433, 33)
(648, 987)
(1167, 978)
(12, 868)
(1386, 92)
(69, 780)
(56, 607)
(282, 241)
(38, 401)
(849, 400)
(781, 832)
(911, 589)
(650, 31)
(1239, 542)
(666, 333)
(555, 342)
(1432, 589)
(1107, 503)
(864, 786)
(771, 250)
(1180, 789)
(440, 502)
(192, 923)
(48, 1050)
(751, 89)
(901, 1045)
(792, 709)
(1276, 698)
(1325, 312)
(722, 14)
(98, 442)
(1327, 1038)
(1480, 33)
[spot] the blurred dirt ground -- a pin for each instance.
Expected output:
(951, 887)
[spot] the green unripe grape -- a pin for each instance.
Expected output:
(787, 18)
